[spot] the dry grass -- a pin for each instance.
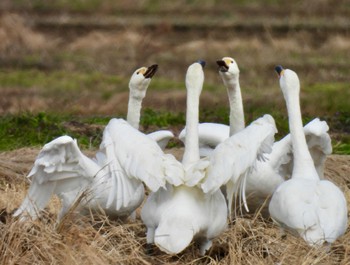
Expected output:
(97, 240)
(16, 36)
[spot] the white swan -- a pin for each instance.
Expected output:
(62, 169)
(197, 209)
(268, 173)
(313, 208)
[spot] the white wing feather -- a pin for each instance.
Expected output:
(319, 144)
(210, 135)
(140, 157)
(162, 137)
(59, 167)
(232, 159)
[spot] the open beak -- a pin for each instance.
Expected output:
(222, 66)
(151, 71)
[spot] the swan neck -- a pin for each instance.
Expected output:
(236, 105)
(303, 162)
(134, 111)
(191, 153)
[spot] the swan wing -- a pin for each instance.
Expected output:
(210, 135)
(236, 156)
(319, 144)
(59, 168)
(162, 137)
(139, 157)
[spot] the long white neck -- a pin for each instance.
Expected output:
(191, 153)
(303, 163)
(236, 104)
(134, 110)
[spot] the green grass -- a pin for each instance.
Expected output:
(161, 119)
(27, 129)
(61, 80)
(328, 97)
(150, 6)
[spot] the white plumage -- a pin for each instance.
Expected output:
(197, 209)
(176, 215)
(138, 85)
(234, 159)
(267, 174)
(113, 180)
(315, 209)
(212, 134)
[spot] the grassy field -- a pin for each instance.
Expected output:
(65, 67)
(71, 61)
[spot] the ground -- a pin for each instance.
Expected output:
(99, 241)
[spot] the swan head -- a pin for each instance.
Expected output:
(141, 79)
(289, 80)
(195, 76)
(228, 68)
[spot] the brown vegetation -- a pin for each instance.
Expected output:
(97, 240)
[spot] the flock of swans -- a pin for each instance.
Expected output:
(223, 167)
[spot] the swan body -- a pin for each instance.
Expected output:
(314, 208)
(113, 181)
(197, 209)
(110, 183)
(176, 215)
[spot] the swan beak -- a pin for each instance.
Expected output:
(279, 70)
(223, 67)
(151, 71)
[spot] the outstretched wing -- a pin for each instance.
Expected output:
(319, 144)
(162, 137)
(59, 167)
(209, 136)
(140, 157)
(232, 159)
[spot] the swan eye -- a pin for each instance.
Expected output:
(231, 61)
(137, 72)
